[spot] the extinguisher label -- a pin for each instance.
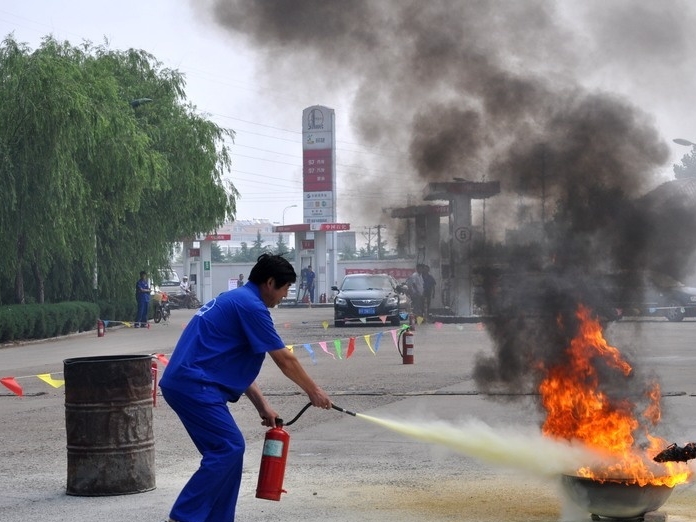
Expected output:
(273, 448)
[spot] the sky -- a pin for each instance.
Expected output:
(255, 69)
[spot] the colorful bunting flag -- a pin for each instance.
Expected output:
(394, 334)
(56, 383)
(419, 320)
(378, 339)
(323, 347)
(383, 318)
(311, 353)
(11, 384)
(162, 358)
(367, 340)
(291, 348)
(337, 347)
(351, 347)
(325, 324)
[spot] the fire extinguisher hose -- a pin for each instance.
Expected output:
(402, 332)
(309, 404)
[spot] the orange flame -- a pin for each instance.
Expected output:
(577, 409)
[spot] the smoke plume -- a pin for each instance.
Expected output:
(493, 90)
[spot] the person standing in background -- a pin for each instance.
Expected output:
(142, 297)
(240, 281)
(428, 290)
(310, 283)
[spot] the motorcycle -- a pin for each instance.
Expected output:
(187, 300)
(162, 309)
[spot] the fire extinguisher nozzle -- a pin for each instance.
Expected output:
(343, 410)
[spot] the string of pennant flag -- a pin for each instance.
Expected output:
(334, 348)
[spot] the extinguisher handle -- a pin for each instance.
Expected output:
(278, 422)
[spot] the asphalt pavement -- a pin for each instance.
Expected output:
(340, 467)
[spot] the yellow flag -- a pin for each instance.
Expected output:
(291, 347)
(325, 324)
(369, 345)
(56, 383)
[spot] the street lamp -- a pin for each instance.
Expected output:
(291, 206)
(686, 143)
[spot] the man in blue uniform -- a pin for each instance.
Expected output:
(142, 297)
(216, 360)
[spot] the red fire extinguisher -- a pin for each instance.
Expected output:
(407, 346)
(100, 328)
(273, 460)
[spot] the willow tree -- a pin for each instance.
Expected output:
(99, 184)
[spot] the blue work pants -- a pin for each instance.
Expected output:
(211, 493)
(142, 311)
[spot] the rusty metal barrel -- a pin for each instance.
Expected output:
(108, 420)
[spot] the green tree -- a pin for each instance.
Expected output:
(89, 172)
(257, 247)
(216, 255)
(281, 247)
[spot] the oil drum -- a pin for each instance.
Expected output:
(108, 421)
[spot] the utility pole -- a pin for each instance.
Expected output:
(379, 241)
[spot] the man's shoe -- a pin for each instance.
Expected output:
(137, 325)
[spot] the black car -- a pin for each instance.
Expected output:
(370, 297)
(650, 294)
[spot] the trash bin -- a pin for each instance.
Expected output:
(108, 421)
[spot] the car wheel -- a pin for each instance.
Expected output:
(339, 324)
(674, 313)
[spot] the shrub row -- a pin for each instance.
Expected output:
(42, 321)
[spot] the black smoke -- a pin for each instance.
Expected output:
(493, 90)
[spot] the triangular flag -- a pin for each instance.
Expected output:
(162, 358)
(323, 347)
(377, 340)
(12, 385)
(367, 340)
(438, 325)
(337, 347)
(363, 320)
(291, 348)
(106, 323)
(351, 347)
(383, 318)
(46, 377)
(311, 353)
(325, 324)
(419, 320)
(393, 333)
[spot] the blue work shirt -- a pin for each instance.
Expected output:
(224, 344)
(141, 296)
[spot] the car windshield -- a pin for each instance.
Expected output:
(367, 282)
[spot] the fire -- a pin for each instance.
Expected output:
(578, 409)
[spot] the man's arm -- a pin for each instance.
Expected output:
(293, 370)
(268, 414)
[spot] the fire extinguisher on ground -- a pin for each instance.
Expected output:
(273, 461)
(100, 328)
(406, 345)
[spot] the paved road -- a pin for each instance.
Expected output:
(341, 468)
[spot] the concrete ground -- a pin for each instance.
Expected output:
(340, 468)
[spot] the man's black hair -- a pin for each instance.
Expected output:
(142, 273)
(277, 267)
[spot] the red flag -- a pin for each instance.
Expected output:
(162, 358)
(11, 384)
(351, 347)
